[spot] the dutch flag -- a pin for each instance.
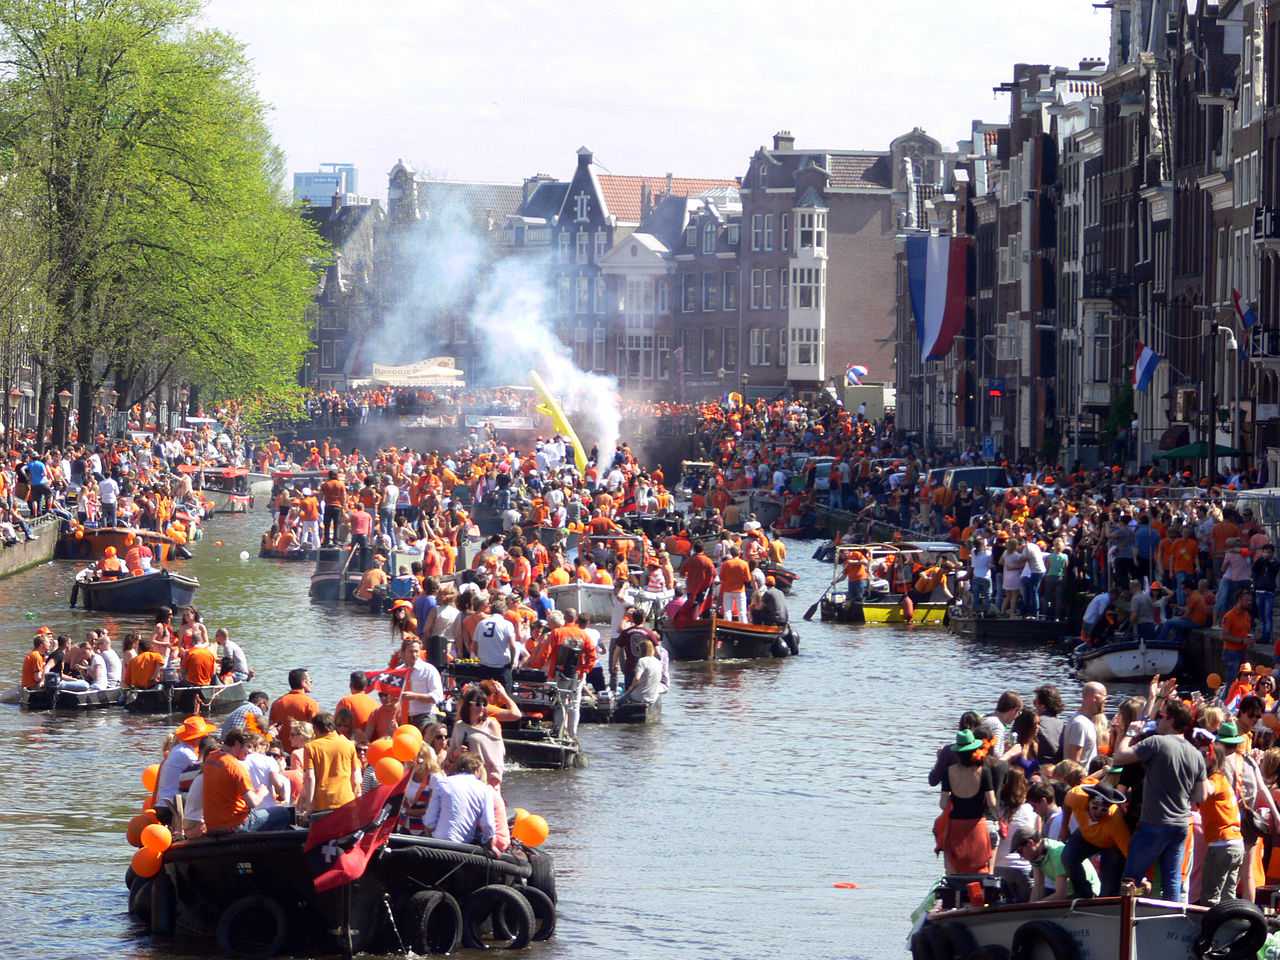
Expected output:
(936, 281)
(1144, 366)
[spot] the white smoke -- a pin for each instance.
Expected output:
(449, 272)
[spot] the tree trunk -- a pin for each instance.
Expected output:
(42, 392)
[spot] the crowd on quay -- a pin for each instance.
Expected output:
(355, 406)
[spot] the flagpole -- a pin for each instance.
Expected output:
(347, 947)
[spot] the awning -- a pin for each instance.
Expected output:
(1197, 450)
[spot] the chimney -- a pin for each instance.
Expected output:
(668, 184)
(783, 140)
(646, 200)
(1091, 63)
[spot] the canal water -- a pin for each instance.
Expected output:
(719, 832)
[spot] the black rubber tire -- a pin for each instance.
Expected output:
(431, 923)
(960, 939)
(542, 873)
(544, 913)
(252, 927)
(130, 878)
(505, 905)
(1246, 946)
(1062, 946)
(779, 648)
(164, 906)
(140, 900)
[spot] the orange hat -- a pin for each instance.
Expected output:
(194, 728)
(109, 552)
(401, 603)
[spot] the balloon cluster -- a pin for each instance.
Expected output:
(389, 755)
(529, 828)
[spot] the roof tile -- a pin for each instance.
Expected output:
(622, 193)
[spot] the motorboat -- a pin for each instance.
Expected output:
(972, 626)
(719, 639)
(834, 610)
(144, 593)
(892, 570)
(602, 708)
(334, 579)
(1127, 658)
(76, 542)
(54, 696)
(288, 556)
(176, 698)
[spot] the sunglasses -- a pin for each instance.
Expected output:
(439, 736)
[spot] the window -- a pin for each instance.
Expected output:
(768, 231)
(1101, 349)
(786, 233)
(710, 292)
(664, 357)
(599, 344)
(582, 205)
(808, 287)
(581, 348)
(663, 295)
(564, 246)
(461, 329)
(757, 232)
(768, 290)
(761, 344)
(602, 296)
(584, 295)
(757, 281)
(730, 348)
(326, 354)
(804, 346)
(709, 237)
(690, 299)
(710, 351)
(584, 242)
(602, 244)
(564, 292)
(783, 289)
(813, 231)
(764, 175)
(691, 237)
(733, 236)
(730, 295)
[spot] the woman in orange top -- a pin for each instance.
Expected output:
(1220, 816)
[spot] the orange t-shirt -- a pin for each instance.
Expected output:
(1220, 534)
(734, 575)
(1199, 609)
(200, 666)
(1110, 831)
(361, 705)
(1219, 812)
(142, 669)
(1236, 627)
(32, 669)
(294, 705)
(1184, 555)
(226, 781)
(558, 577)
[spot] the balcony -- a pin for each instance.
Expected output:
(1264, 349)
(1266, 227)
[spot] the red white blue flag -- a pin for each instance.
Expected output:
(1144, 366)
(936, 282)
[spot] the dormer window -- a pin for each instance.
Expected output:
(709, 238)
(764, 175)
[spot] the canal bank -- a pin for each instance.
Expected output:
(718, 832)
(25, 554)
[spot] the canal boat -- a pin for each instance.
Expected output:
(1103, 928)
(784, 579)
(145, 593)
(892, 571)
(601, 708)
(334, 579)
(288, 556)
(834, 610)
(173, 698)
(803, 531)
(971, 626)
(593, 599)
(1127, 658)
(537, 740)
(76, 542)
(225, 489)
(252, 894)
(52, 696)
(719, 639)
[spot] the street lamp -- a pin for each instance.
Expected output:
(15, 397)
(64, 404)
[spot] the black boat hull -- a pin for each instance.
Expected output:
(171, 699)
(723, 639)
(143, 594)
(1008, 629)
(607, 711)
(55, 698)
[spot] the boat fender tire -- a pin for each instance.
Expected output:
(544, 913)
(542, 872)
(252, 927)
(1062, 945)
(1246, 944)
(164, 906)
(992, 951)
(793, 642)
(130, 878)
(779, 648)
(431, 923)
(140, 901)
(508, 907)
(960, 940)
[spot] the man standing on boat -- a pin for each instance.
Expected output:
(699, 575)
(1175, 776)
(334, 494)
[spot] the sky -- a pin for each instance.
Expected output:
(499, 91)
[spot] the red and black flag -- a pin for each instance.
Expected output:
(339, 846)
(390, 680)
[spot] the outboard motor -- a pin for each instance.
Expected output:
(568, 656)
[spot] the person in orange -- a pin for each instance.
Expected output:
(735, 574)
(1237, 632)
(33, 662)
(111, 565)
(358, 703)
(199, 665)
(333, 493)
(309, 511)
(856, 572)
(1220, 817)
(330, 769)
(297, 704)
(142, 670)
(231, 802)
(1096, 812)
(521, 571)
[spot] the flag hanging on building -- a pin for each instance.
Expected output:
(854, 374)
(1144, 366)
(1247, 317)
(936, 282)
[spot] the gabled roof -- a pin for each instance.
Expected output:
(848, 169)
(478, 199)
(622, 193)
(546, 200)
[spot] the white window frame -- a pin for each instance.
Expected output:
(757, 282)
(602, 295)
(664, 292)
(757, 231)
(767, 303)
(564, 246)
(768, 231)
(729, 291)
(602, 244)
(599, 349)
(583, 240)
(709, 237)
(583, 301)
(786, 233)
(688, 292)
(710, 291)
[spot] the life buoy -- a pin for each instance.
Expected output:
(908, 609)
(506, 910)
(1061, 944)
(1246, 944)
(431, 922)
(252, 927)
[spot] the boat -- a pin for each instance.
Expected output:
(145, 593)
(1127, 659)
(537, 746)
(718, 639)
(602, 708)
(593, 599)
(288, 556)
(172, 698)
(226, 488)
(51, 696)
(834, 610)
(333, 578)
(1102, 928)
(537, 740)
(807, 531)
(766, 505)
(965, 623)
(892, 568)
(251, 894)
(784, 578)
(76, 542)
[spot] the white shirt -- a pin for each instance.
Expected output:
(193, 807)
(261, 767)
(112, 660)
(1082, 732)
(646, 685)
(494, 639)
(389, 496)
(239, 663)
(980, 561)
(96, 673)
(461, 806)
(108, 491)
(1035, 559)
(424, 678)
(180, 759)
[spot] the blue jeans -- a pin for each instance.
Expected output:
(1265, 601)
(1180, 581)
(857, 591)
(1077, 851)
(1031, 594)
(267, 818)
(981, 593)
(1231, 661)
(1154, 844)
(1179, 626)
(1227, 590)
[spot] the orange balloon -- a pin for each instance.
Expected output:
(389, 771)
(79, 534)
(217, 543)
(157, 837)
(1213, 681)
(379, 749)
(532, 830)
(406, 742)
(133, 833)
(147, 863)
(519, 813)
(149, 777)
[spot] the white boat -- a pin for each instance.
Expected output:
(1107, 928)
(593, 599)
(1122, 660)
